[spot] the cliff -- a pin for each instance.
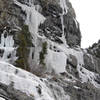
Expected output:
(40, 53)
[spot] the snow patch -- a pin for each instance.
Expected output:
(68, 97)
(76, 87)
(2, 98)
(24, 81)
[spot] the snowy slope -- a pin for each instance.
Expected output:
(24, 81)
(2, 98)
(27, 83)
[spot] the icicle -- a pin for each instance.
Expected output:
(7, 45)
(63, 6)
(6, 42)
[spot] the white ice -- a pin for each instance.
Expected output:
(33, 19)
(7, 45)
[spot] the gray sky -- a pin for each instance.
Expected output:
(88, 15)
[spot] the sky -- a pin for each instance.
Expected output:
(88, 15)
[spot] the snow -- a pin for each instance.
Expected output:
(76, 23)
(88, 76)
(76, 87)
(2, 98)
(23, 81)
(63, 6)
(67, 97)
(84, 74)
(29, 83)
(57, 61)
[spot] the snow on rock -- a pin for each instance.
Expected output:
(30, 84)
(57, 61)
(63, 6)
(24, 81)
(88, 76)
(76, 23)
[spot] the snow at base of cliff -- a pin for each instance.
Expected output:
(2, 98)
(25, 82)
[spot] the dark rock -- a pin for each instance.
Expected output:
(9, 93)
(1, 52)
(39, 89)
(72, 31)
(97, 79)
(51, 29)
(89, 64)
(95, 49)
(72, 60)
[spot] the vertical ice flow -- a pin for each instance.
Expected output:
(64, 11)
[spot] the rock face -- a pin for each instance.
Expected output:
(9, 93)
(43, 37)
(94, 51)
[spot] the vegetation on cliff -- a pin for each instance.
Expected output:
(23, 49)
(43, 53)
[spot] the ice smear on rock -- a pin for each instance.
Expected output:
(33, 18)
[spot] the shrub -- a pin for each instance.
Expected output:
(25, 41)
(43, 53)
